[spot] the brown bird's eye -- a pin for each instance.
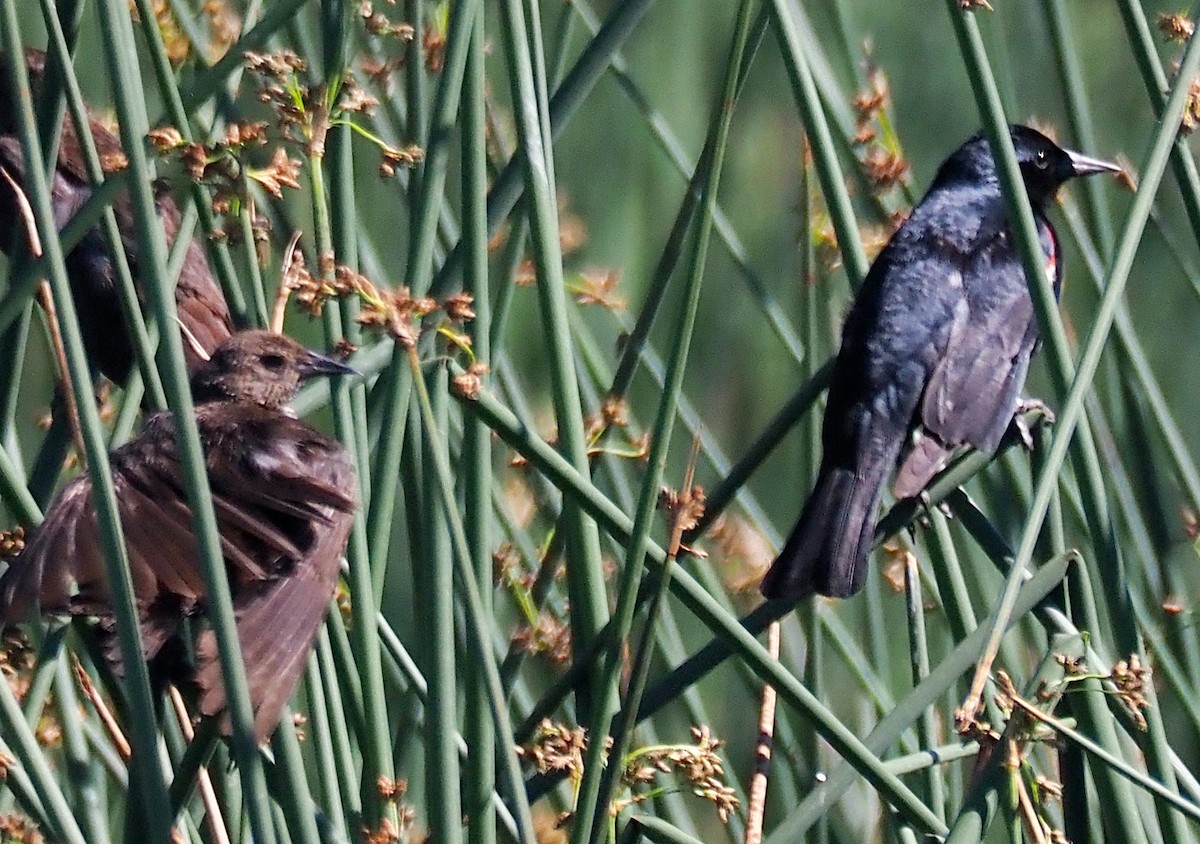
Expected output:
(273, 362)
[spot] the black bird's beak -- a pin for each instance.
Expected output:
(1085, 165)
(314, 364)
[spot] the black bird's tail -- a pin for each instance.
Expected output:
(827, 551)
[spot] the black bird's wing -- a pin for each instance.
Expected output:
(973, 389)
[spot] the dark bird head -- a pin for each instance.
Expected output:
(259, 367)
(1044, 164)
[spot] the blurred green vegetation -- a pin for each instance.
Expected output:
(617, 186)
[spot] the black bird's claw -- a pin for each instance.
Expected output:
(1028, 413)
(1028, 405)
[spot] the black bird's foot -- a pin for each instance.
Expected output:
(1027, 405)
(1028, 413)
(923, 506)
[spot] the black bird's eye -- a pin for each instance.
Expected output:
(273, 361)
(1041, 160)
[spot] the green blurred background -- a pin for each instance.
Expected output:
(614, 178)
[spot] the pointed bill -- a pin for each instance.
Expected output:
(1085, 165)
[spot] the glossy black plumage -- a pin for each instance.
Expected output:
(938, 342)
(200, 302)
(284, 495)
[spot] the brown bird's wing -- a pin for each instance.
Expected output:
(284, 496)
(284, 476)
(972, 393)
(277, 625)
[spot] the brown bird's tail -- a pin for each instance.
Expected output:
(277, 624)
(827, 550)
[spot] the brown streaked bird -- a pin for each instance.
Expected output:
(284, 495)
(201, 305)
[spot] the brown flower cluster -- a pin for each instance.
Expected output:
(557, 747)
(881, 158)
(396, 312)
(685, 508)
(549, 636)
(1130, 677)
(470, 383)
(306, 112)
(222, 164)
(377, 23)
(599, 287)
(507, 569)
(12, 542)
(175, 40)
(698, 763)
(224, 27)
(1191, 111)
(17, 662)
(1176, 27)
(743, 549)
(302, 111)
(18, 829)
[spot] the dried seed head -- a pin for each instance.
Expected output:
(1175, 26)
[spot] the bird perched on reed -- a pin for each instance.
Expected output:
(284, 496)
(201, 305)
(934, 355)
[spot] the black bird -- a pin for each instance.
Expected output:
(934, 355)
(284, 495)
(201, 305)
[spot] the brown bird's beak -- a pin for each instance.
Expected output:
(314, 364)
(1085, 165)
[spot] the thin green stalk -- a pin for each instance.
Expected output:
(217, 248)
(585, 579)
(477, 629)
(376, 741)
(345, 235)
(144, 734)
(477, 451)
(829, 172)
(83, 770)
(645, 827)
(416, 128)
(635, 346)
(943, 676)
(118, 45)
(435, 615)
(706, 608)
(291, 787)
(325, 770)
(1066, 56)
(427, 189)
(1145, 55)
(942, 755)
(349, 768)
(24, 747)
(935, 786)
(599, 783)
(508, 187)
(139, 336)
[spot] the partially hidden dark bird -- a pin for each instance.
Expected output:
(201, 304)
(284, 495)
(934, 354)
